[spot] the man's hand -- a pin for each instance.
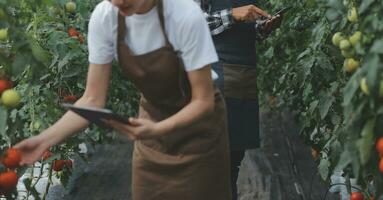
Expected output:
(271, 24)
(249, 13)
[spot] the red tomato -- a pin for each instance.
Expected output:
(47, 154)
(381, 165)
(8, 181)
(379, 146)
(72, 32)
(5, 85)
(58, 165)
(70, 99)
(356, 196)
(12, 158)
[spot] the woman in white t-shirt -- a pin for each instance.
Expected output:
(181, 143)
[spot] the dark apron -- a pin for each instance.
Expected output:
(238, 78)
(191, 164)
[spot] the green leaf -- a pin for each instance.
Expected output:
(325, 103)
(366, 143)
(269, 53)
(344, 160)
(350, 89)
(323, 168)
(3, 120)
(365, 5)
(373, 64)
(324, 61)
(377, 47)
(313, 106)
(39, 53)
(22, 61)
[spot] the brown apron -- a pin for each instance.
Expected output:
(191, 164)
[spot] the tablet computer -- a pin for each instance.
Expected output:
(96, 115)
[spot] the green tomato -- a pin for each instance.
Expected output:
(355, 38)
(10, 98)
(3, 34)
(350, 65)
(348, 53)
(70, 7)
(344, 44)
(352, 15)
(336, 38)
(364, 87)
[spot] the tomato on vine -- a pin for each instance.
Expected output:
(8, 181)
(350, 65)
(356, 196)
(46, 155)
(58, 165)
(10, 98)
(70, 99)
(5, 85)
(70, 7)
(72, 32)
(12, 158)
(352, 15)
(379, 146)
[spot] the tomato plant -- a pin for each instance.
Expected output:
(44, 60)
(325, 63)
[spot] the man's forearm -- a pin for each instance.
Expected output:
(218, 21)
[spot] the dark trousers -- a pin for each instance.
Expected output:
(236, 159)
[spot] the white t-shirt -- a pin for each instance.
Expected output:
(185, 27)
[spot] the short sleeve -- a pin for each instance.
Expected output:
(195, 42)
(102, 34)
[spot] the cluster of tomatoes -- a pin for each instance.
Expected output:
(10, 98)
(8, 176)
(72, 32)
(347, 44)
(347, 47)
(10, 161)
(58, 165)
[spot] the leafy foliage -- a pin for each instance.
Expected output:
(46, 64)
(303, 69)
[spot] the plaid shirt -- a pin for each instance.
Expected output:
(218, 21)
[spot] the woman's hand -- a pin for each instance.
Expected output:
(31, 149)
(137, 129)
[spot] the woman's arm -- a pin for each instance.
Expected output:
(201, 106)
(70, 123)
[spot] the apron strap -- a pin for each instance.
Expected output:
(160, 10)
(121, 30)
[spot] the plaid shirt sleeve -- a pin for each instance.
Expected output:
(218, 21)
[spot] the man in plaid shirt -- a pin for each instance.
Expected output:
(232, 25)
(221, 20)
